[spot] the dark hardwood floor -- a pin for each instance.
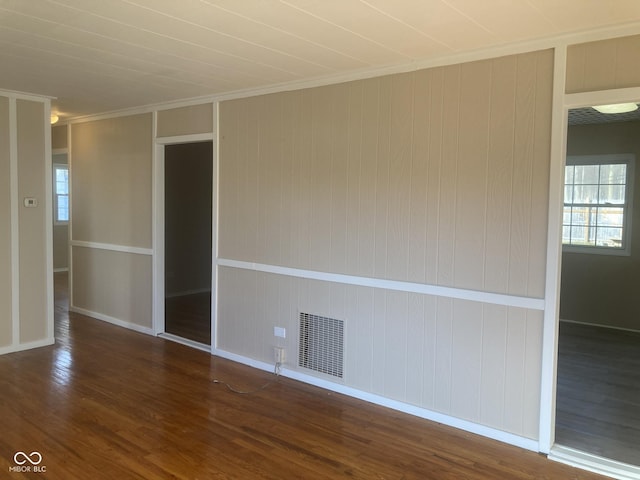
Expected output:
(598, 397)
(189, 316)
(109, 403)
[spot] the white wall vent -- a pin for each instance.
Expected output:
(321, 344)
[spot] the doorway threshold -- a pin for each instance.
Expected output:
(594, 463)
(185, 341)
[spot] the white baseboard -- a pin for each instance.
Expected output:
(27, 346)
(114, 321)
(505, 437)
(611, 327)
(593, 463)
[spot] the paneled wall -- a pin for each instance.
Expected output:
(111, 210)
(26, 289)
(436, 177)
(603, 65)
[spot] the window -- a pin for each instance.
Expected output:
(597, 204)
(61, 193)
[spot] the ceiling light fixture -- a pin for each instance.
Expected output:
(616, 108)
(54, 118)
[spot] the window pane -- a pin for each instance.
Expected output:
(609, 237)
(612, 217)
(581, 216)
(566, 215)
(587, 174)
(585, 194)
(568, 194)
(583, 235)
(612, 194)
(63, 208)
(568, 174)
(613, 174)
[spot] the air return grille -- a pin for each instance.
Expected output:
(321, 344)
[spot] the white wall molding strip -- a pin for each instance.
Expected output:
(448, 420)
(410, 287)
(115, 321)
(593, 463)
(112, 247)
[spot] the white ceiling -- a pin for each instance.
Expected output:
(104, 55)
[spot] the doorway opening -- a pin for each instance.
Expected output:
(598, 389)
(188, 191)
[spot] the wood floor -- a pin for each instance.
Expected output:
(109, 403)
(598, 397)
(189, 316)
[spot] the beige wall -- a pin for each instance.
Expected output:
(32, 223)
(602, 289)
(604, 64)
(111, 181)
(59, 137)
(113, 284)
(111, 162)
(24, 146)
(5, 232)
(185, 120)
(438, 176)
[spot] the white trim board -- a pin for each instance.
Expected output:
(593, 463)
(499, 435)
(15, 226)
(180, 139)
(112, 320)
(410, 287)
(111, 247)
(185, 341)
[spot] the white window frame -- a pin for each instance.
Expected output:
(57, 221)
(629, 160)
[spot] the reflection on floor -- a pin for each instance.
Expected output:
(598, 398)
(189, 316)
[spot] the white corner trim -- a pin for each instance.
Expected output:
(15, 221)
(48, 202)
(505, 437)
(410, 287)
(593, 463)
(27, 346)
(548, 367)
(115, 321)
(111, 247)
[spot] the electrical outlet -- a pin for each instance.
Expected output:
(278, 354)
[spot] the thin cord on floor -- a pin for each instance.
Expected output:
(276, 372)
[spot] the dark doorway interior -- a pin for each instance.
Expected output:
(188, 195)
